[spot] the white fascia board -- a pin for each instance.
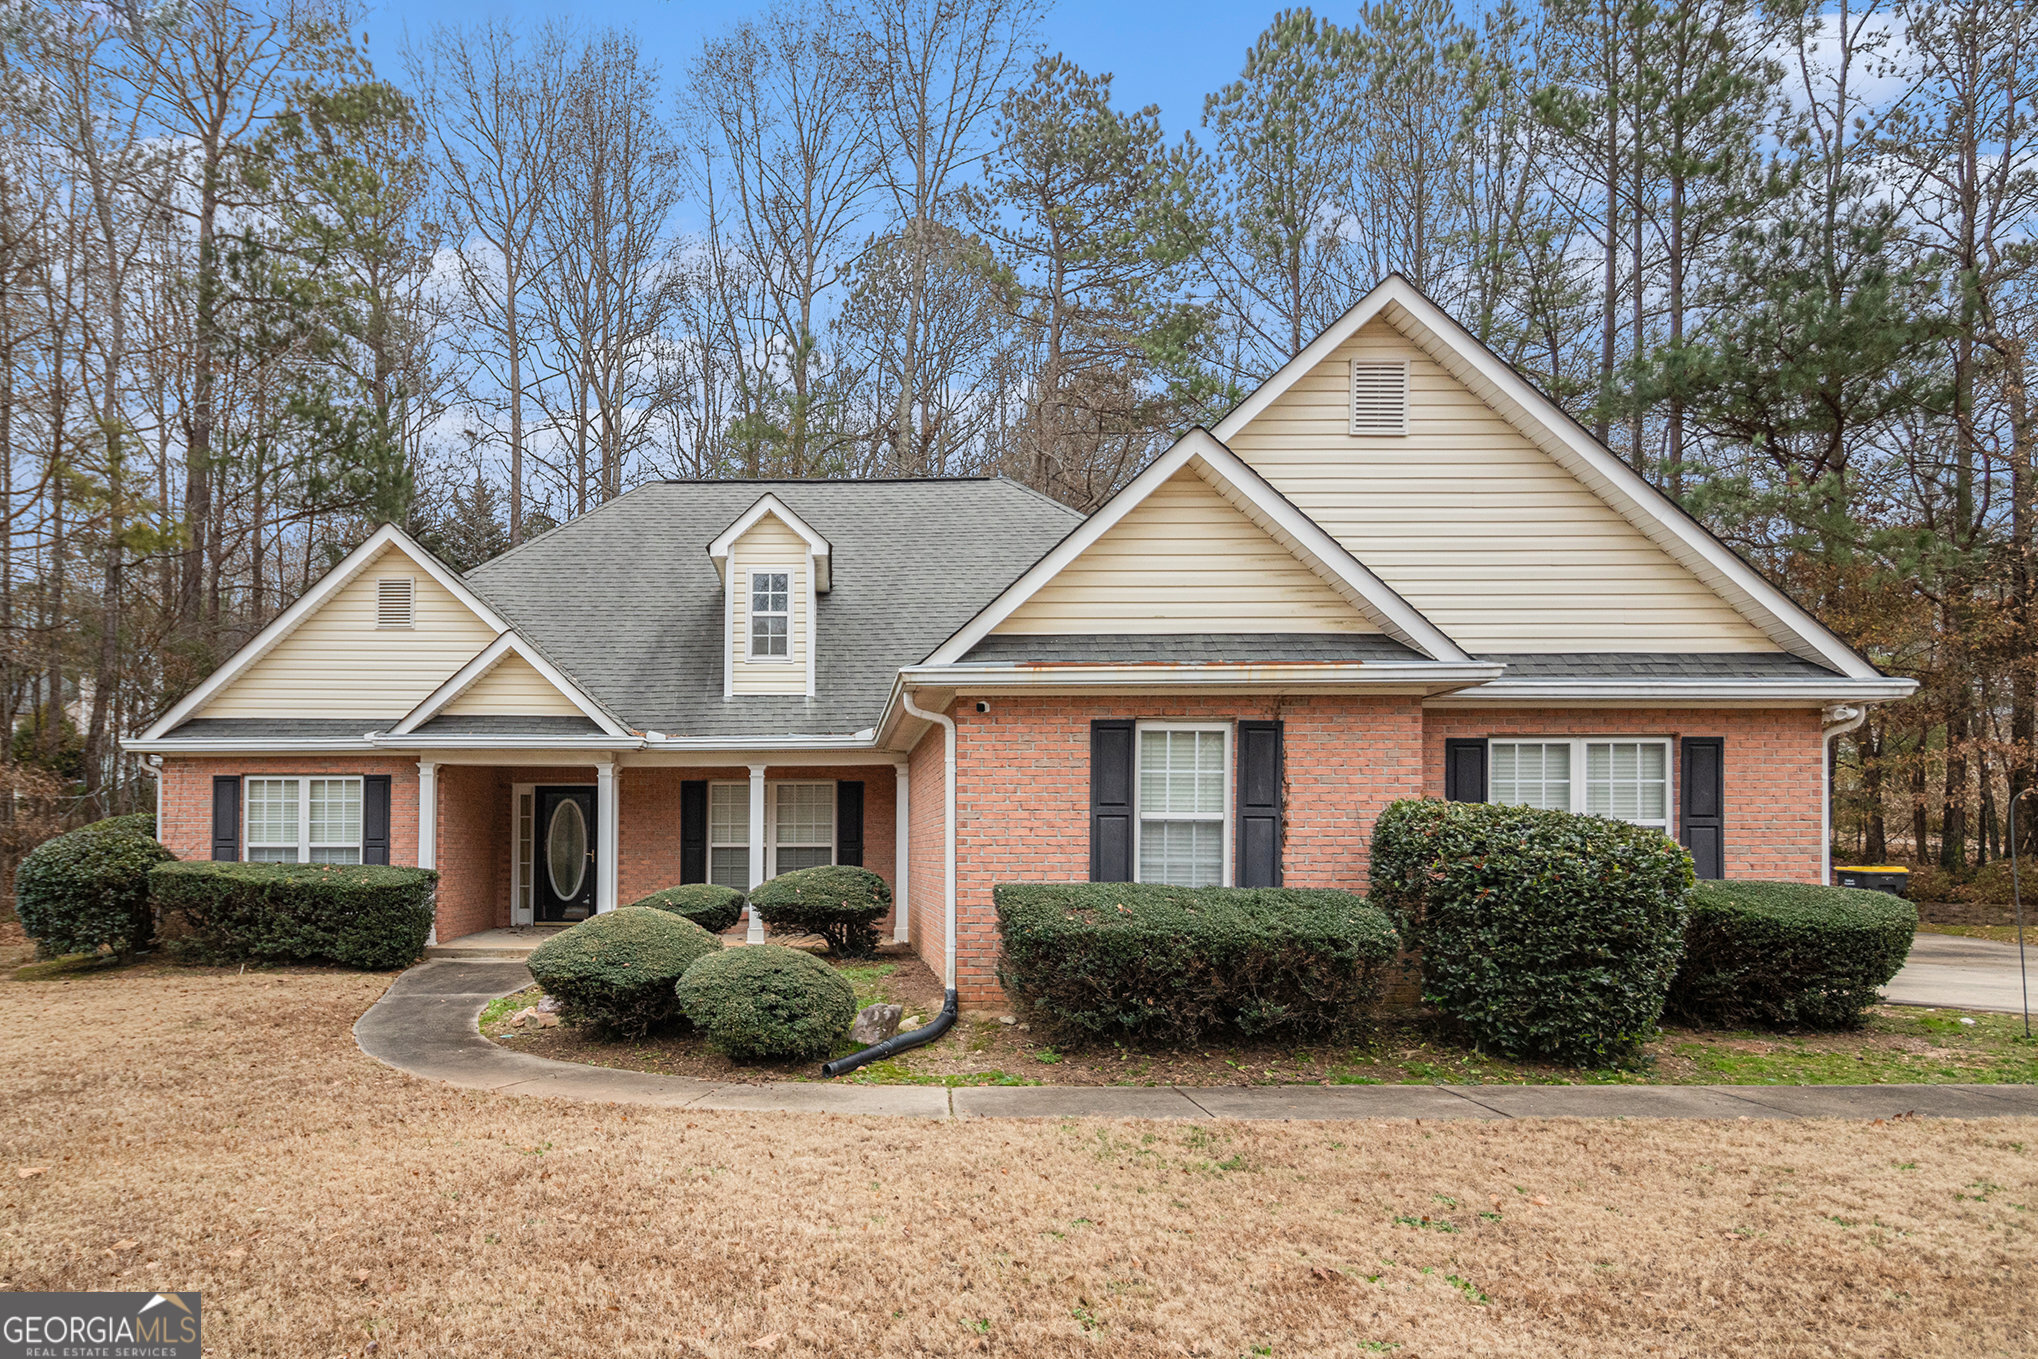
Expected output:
(817, 546)
(308, 603)
(1652, 693)
(1216, 463)
(486, 660)
(1623, 489)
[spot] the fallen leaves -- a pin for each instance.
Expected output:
(30, 1172)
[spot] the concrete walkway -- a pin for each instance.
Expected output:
(425, 1024)
(1951, 971)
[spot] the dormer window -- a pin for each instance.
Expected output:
(770, 614)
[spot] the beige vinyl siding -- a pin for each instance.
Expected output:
(513, 688)
(1476, 526)
(769, 546)
(337, 663)
(1185, 559)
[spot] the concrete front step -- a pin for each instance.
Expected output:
(501, 945)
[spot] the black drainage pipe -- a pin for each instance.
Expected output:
(897, 1043)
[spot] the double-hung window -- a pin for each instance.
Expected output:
(771, 614)
(799, 830)
(1184, 791)
(303, 820)
(729, 835)
(1626, 780)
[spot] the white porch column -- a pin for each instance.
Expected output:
(428, 827)
(755, 934)
(902, 854)
(608, 835)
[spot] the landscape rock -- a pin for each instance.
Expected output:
(875, 1023)
(1008, 1019)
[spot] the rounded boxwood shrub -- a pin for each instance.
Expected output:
(1545, 934)
(837, 902)
(1109, 960)
(89, 890)
(710, 905)
(1789, 954)
(767, 1001)
(615, 971)
(374, 916)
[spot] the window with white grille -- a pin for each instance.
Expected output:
(304, 821)
(1379, 396)
(396, 602)
(1627, 780)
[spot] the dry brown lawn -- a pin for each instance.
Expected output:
(187, 1129)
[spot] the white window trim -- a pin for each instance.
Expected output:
(1226, 834)
(750, 615)
(304, 844)
(771, 787)
(1577, 745)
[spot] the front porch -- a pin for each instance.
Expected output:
(524, 848)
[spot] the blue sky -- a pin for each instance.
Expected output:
(1170, 52)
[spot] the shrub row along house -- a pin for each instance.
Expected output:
(1395, 570)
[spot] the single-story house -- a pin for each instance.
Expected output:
(1395, 570)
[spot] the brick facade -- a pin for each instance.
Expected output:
(185, 822)
(473, 845)
(1775, 769)
(1023, 778)
(1022, 799)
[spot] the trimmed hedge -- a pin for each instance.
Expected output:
(615, 970)
(1789, 954)
(1107, 960)
(356, 915)
(840, 903)
(1545, 934)
(767, 1001)
(711, 906)
(89, 890)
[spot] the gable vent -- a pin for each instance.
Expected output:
(1379, 397)
(396, 602)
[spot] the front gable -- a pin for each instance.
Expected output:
(512, 687)
(1473, 523)
(773, 567)
(354, 650)
(1186, 559)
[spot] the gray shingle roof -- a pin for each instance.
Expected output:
(625, 600)
(1750, 665)
(277, 728)
(480, 724)
(1192, 648)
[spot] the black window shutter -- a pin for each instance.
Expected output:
(1702, 808)
(1111, 800)
(693, 830)
(849, 822)
(1259, 804)
(375, 818)
(226, 817)
(1465, 769)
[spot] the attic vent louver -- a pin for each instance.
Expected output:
(1379, 396)
(396, 602)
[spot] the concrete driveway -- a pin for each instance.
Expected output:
(1954, 972)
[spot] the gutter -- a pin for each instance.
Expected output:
(1839, 720)
(944, 1021)
(1676, 690)
(1169, 674)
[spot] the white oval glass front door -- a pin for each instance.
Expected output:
(566, 850)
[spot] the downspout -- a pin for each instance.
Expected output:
(1840, 719)
(944, 1021)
